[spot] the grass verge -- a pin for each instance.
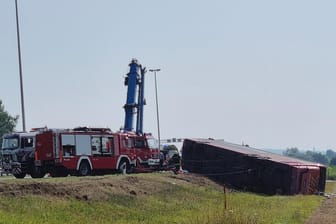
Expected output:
(178, 203)
(331, 173)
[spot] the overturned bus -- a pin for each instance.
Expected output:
(251, 169)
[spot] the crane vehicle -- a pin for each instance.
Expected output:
(84, 151)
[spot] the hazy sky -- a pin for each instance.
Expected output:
(258, 72)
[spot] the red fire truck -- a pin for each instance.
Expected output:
(85, 151)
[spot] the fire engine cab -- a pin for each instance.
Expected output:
(17, 152)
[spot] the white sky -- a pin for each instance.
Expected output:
(258, 72)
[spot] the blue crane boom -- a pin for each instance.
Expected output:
(135, 82)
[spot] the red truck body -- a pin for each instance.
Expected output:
(86, 150)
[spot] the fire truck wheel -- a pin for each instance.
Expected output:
(59, 172)
(124, 167)
(84, 169)
(19, 175)
(37, 173)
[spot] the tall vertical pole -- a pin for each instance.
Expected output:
(20, 67)
(157, 105)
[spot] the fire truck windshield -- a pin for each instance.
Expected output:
(10, 143)
(152, 143)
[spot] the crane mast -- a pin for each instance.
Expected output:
(135, 82)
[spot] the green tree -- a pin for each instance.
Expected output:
(296, 153)
(319, 158)
(7, 122)
(291, 151)
(312, 156)
(330, 154)
(333, 161)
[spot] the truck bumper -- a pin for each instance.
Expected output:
(153, 162)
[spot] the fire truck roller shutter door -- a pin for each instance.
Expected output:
(83, 145)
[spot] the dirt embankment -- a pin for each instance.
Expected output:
(97, 188)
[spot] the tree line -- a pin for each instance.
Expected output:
(327, 158)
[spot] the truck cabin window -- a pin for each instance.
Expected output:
(27, 142)
(107, 145)
(140, 143)
(10, 143)
(153, 143)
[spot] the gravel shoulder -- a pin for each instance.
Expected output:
(326, 213)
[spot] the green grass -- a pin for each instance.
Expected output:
(177, 204)
(330, 187)
(331, 173)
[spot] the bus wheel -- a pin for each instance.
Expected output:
(84, 169)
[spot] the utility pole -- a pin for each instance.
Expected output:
(20, 67)
(157, 104)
